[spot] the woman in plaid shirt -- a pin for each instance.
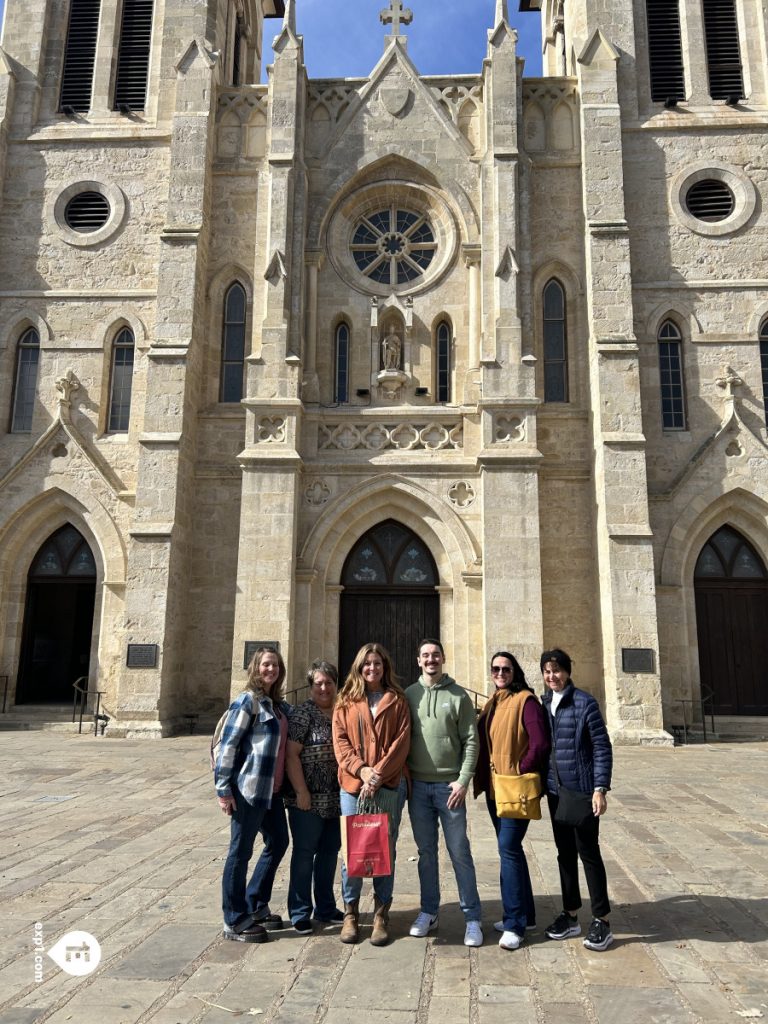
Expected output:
(248, 776)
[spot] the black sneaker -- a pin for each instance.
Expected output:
(272, 922)
(563, 927)
(251, 933)
(303, 926)
(599, 936)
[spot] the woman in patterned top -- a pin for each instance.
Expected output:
(313, 809)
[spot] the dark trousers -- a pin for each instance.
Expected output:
(574, 843)
(242, 899)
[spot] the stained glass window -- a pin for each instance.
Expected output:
(25, 381)
(443, 362)
(671, 377)
(65, 553)
(393, 246)
(555, 344)
(121, 385)
(727, 555)
(233, 345)
(389, 555)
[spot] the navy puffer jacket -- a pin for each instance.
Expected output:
(584, 752)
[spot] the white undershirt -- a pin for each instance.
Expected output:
(556, 698)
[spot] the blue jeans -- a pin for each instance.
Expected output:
(427, 806)
(384, 885)
(516, 891)
(240, 902)
(316, 843)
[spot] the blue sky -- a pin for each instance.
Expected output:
(444, 37)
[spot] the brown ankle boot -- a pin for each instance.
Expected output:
(349, 927)
(380, 933)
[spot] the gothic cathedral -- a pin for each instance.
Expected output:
(317, 362)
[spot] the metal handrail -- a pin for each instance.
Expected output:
(81, 698)
(706, 703)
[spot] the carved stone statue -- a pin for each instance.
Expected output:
(391, 347)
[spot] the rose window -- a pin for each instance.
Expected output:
(393, 246)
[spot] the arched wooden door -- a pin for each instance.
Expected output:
(731, 586)
(58, 619)
(389, 597)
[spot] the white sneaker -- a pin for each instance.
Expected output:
(499, 926)
(473, 935)
(510, 940)
(423, 925)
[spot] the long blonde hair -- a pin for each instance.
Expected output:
(354, 685)
(254, 675)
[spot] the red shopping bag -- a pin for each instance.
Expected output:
(365, 845)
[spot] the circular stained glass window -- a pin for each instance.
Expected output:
(393, 246)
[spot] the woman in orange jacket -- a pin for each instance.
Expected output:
(371, 739)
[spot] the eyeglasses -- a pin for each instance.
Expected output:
(504, 669)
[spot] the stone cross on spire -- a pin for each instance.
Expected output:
(502, 11)
(396, 15)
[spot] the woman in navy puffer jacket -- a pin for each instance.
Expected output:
(584, 756)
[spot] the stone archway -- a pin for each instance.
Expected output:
(731, 585)
(58, 619)
(389, 596)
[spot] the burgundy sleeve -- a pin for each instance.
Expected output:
(537, 755)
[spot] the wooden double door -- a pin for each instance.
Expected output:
(389, 597)
(58, 619)
(732, 621)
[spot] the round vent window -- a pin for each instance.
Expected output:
(710, 200)
(87, 212)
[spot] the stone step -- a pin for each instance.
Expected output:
(44, 717)
(730, 729)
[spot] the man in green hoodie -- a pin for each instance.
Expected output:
(442, 760)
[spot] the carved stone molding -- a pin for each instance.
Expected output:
(317, 493)
(508, 429)
(377, 437)
(461, 494)
(270, 430)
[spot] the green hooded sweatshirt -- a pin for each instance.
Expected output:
(444, 744)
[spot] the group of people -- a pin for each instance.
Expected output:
(373, 745)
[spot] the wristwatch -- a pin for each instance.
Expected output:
(601, 789)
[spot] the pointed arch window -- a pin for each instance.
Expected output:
(25, 381)
(721, 31)
(233, 344)
(65, 553)
(555, 343)
(390, 555)
(727, 555)
(238, 50)
(764, 365)
(341, 364)
(670, 342)
(665, 50)
(80, 55)
(121, 382)
(443, 362)
(133, 54)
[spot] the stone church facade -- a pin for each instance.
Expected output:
(322, 361)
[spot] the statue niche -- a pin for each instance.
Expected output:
(391, 376)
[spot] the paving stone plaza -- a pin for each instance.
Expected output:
(123, 839)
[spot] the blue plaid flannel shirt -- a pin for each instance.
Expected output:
(258, 745)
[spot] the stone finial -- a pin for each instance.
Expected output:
(289, 18)
(396, 15)
(729, 380)
(66, 386)
(502, 12)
